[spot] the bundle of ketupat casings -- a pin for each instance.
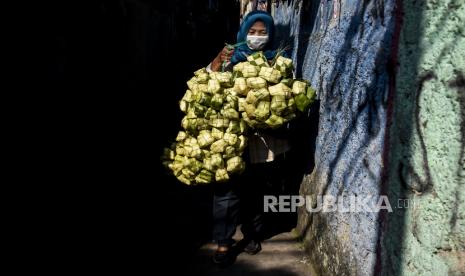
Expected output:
(220, 107)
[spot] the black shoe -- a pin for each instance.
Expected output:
(253, 247)
(223, 257)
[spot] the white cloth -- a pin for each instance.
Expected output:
(264, 148)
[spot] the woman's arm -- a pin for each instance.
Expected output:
(224, 55)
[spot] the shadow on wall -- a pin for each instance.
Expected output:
(335, 101)
(368, 107)
(405, 178)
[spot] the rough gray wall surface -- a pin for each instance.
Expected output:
(343, 49)
(427, 144)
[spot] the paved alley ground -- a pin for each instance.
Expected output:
(281, 255)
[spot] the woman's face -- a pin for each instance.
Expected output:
(258, 28)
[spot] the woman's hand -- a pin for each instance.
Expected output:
(224, 55)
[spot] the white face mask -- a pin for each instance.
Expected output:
(257, 42)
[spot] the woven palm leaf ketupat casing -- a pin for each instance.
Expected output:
(222, 107)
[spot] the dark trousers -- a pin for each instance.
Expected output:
(241, 201)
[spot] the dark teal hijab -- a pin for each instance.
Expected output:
(241, 52)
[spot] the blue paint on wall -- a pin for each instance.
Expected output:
(342, 48)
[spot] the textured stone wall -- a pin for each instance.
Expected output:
(342, 48)
(389, 77)
(426, 149)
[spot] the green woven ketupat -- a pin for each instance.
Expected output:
(217, 134)
(210, 113)
(184, 150)
(219, 109)
(184, 179)
(249, 110)
(206, 153)
(240, 86)
(262, 94)
(232, 102)
(195, 152)
(201, 87)
(311, 94)
(179, 150)
(249, 70)
(229, 91)
(219, 146)
(194, 165)
(214, 86)
(193, 84)
(241, 102)
(291, 107)
(237, 127)
(224, 78)
(234, 127)
(187, 173)
(216, 101)
(188, 96)
(207, 163)
(190, 141)
(235, 164)
(230, 152)
(258, 59)
(278, 104)
(262, 112)
(302, 102)
(204, 177)
(230, 113)
(274, 121)
(183, 106)
(251, 99)
(176, 166)
(280, 89)
(203, 98)
(200, 71)
(183, 160)
(217, 161)
(190, 114)
(198, 109)
(230, 138)
(202, 124)
(283, 65)
(181, 136)
(270, 74)
(299, 87)
(202, 78)
(256, 82)
(219, 122)
(221, 175)
(250, 121)
(189, 124)
(231, 97)
(239, 67)
(241, 143)
(205, 138)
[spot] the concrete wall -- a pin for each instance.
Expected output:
(342, 48)
(427, 139)
(391, 122)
